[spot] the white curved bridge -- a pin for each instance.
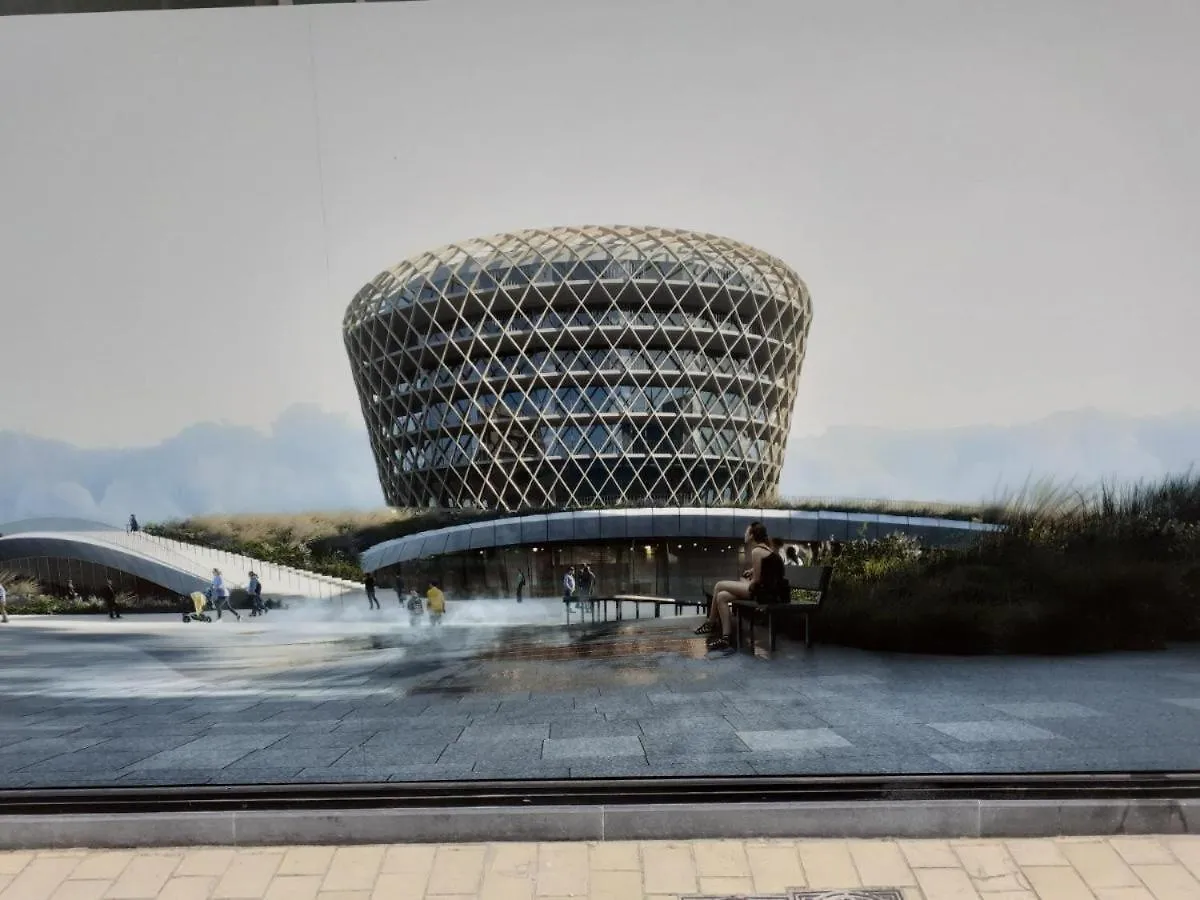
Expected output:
(177, 566)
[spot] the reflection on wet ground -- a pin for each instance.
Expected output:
(612, 642)
(562, 659)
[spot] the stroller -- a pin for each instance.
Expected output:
(198, 601)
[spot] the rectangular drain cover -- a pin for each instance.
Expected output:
(844, 894)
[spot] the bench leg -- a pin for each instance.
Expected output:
(807, 633)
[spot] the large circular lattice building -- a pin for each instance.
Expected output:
(580, 367)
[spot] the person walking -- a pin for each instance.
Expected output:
(520, 585)
(109, 593)
(220, 595)
(369, 585)
(400, 593)
(254, 588)
(133, 524)
(436, 602)
(415, 606)
(3, 606)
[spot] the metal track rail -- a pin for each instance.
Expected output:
(661, 791)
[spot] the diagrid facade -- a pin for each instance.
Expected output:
(580, 367)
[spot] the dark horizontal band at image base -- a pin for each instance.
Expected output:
(633, 809)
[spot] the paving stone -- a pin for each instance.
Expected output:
(435, 772)
(290, 758)
(85, 761)
(847, 764)
(799, 740)
(993, 732)
(676, 746)
(1047, 710)
(443, 734)
(156, 777)
(490, 734)
(248, 775)
(687, 725)
(591, 747)
(594, 727)
(377, 756)
(492, 751)
(531, 770)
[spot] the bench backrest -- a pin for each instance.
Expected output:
(814, 579)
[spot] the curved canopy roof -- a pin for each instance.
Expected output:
(670, 523)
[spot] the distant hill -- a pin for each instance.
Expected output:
(311, 460)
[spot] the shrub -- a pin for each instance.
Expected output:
(1116, 568)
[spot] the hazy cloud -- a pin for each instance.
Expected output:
(983, 462)
(308, 459)
(311, 460)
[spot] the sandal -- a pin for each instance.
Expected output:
(707, 628)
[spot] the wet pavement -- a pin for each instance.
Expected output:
(503, 692)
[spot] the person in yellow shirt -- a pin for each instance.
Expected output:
(435, 603)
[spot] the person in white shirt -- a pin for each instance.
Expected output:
(3, 605)
(569, 585)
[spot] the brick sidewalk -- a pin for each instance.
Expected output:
(1136, 868)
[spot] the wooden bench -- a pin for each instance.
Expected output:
(808, 584)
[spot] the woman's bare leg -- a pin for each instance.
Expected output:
(724, 594)
(714, 612)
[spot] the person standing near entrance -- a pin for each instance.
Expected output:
(369, 584)
(109, 593)
(570, 594)
(587, 582)
(3, 606)
(435, 602)
(520, 585)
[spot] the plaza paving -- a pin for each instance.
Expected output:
(505, 692)
(1090, 868)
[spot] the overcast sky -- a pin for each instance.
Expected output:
(994, 204)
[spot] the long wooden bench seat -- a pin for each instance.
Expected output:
(619, 600)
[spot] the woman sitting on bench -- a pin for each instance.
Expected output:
(756, 581)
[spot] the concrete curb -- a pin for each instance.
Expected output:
(867, 819)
